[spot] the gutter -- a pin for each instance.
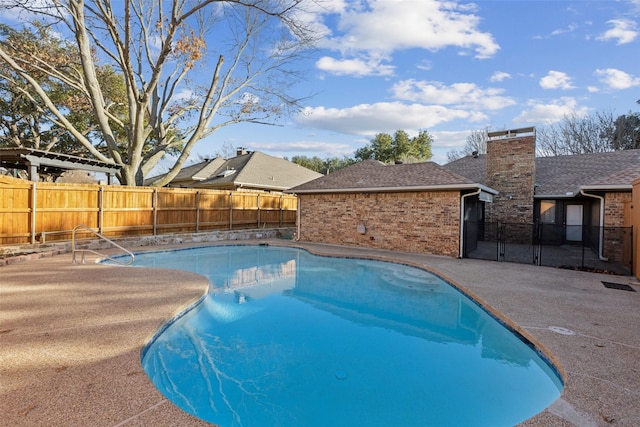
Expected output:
(445, 187)
(601, 239)
(462, 210)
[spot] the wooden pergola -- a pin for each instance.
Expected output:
(35, 162)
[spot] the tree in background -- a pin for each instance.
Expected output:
(323, 166)
(399, 148)
(476, 143)
(180, 84)
(626, 134)
(25, 119)
(576, 134)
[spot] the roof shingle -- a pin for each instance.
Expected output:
(374, 175)
(563, 176)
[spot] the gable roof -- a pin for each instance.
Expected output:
(189, 174)
(257, 170)
(253, 170)
(375, 176)
(565, 176)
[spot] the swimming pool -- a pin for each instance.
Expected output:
(287, 338)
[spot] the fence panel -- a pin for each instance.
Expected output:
(215, 210)
(127, 211)
(15, 210)
(177, 210)
(49, 211)
(244, 210)
(61, 207)
(606, 249)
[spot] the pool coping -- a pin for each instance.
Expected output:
(63, 366)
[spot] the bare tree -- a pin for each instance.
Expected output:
(476, 143)
(577, 134)
(189, 68)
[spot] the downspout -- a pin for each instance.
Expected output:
(298, 220)
(462, 210)
(601, 239)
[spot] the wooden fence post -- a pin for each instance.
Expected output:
(101, 209)
(34, 212)
(230, 210)
(154, 203)
(197, 211)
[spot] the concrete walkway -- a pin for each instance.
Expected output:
(71, 336)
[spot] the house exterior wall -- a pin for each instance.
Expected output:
(617, 214)
(616, 209)
(635, 222)
(511, 171)
(419, 222)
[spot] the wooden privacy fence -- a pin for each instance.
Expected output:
(31, 212)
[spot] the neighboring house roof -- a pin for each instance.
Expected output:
(253, 170)
(192, 173)
(258, 170)
(565, 176)
(375, 176)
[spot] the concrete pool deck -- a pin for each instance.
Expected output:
(71, 336)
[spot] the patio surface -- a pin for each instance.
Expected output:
(71, 336)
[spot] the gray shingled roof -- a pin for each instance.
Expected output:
(259, 171)
(195, 172)
(371, 175)
(564, 176)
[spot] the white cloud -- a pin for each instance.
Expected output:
(371, 119)
(354, 67)
(450, 139)
(377, 28)
(461, 94)
(556, 80)
(569, 29)
(541, 113)
(623, 31)
(499, 76)
(617, 79)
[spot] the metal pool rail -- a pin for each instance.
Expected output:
(74, 249)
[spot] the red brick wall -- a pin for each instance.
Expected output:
(614, 210)
(511, 171)
(419, 222)
(617, 241)
(635, 221)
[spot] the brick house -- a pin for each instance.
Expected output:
(446, 210)
(574, 199)
(416, 207)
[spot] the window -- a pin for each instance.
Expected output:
(548, 211)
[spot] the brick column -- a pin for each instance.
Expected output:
(511, 171)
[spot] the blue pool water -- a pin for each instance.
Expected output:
(286, 338)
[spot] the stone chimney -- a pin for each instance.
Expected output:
(241, 151)
(511, 171)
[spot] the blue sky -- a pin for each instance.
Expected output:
(450, 68)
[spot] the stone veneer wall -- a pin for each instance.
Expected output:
(419, 222)
(511, 171)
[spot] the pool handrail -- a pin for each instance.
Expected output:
(74, 249)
